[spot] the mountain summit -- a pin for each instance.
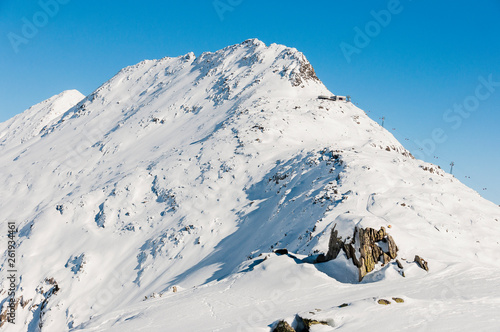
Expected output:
(219, 193)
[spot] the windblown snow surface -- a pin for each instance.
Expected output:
(155, 204)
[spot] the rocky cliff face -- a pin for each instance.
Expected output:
(366, 248)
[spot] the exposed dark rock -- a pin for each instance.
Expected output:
(399, 264)
(51, 281)
(278, 177)
(24, 302)
(320, 259)
(54, 289)
(335, 245)
(362, 269)
(306, 323)
(370, 249)
(393, 248)
(343, 305)
(421, 262)
(384, 302)
(281, 251)
(398, 300)
(283, 327)
(306, 73)
(370, 253)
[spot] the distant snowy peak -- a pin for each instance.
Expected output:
(30, 123)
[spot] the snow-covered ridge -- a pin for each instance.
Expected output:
(28, 124)
(186, 173)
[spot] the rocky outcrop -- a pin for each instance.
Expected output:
(305, 73)
(387, 302)
(384, 302)
(283, 327)
(334, 245)
(421, 262)
(304, 324)
(367, 247)
(281, 251)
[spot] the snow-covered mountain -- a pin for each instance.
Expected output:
(156, 203)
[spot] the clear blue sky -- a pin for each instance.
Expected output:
(411, 70)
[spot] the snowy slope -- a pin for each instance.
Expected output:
(178, 173)
(27, 125)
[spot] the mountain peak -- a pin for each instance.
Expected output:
(254, 42)
(300, 71)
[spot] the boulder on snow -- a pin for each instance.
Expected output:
(421, 262)
(374, 246)
(371, 251)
